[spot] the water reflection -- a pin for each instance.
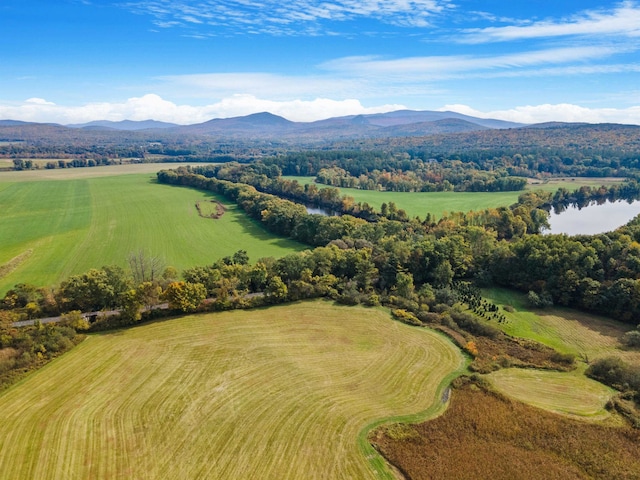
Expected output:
(321, 211)
(593, 218)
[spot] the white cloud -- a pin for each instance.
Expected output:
(38, 101)
(563, 112)
(283, 18)
(623, 20)
(446, 65)
(154, 107)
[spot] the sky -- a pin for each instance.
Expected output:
(188, 61)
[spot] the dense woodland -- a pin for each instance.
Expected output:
(543, 150)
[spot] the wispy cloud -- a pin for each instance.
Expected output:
(283, 18)
(622, 20)
(447, 66)
(269, 85)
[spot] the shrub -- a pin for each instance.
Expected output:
(614, 372)
(468, 322)
(75, 320)
(441, 308)
(429, 317)
(406, 317)
(404, 303)
(564, 358)
(632, 339)
(472, 348)
(543, 300)
(446, 295)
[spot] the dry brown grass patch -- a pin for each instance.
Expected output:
(14, 263)
(486, 435)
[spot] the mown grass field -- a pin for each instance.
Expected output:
(57, 223)
(570, 331)
(439, 203)
(287, 392)
(586, 336)
(559, 392)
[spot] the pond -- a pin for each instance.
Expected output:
(593, 218)
(321, 211)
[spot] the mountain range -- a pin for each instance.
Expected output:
(450, 131)
(264, 125)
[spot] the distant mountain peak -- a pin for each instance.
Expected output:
(267, 118)
(129, 125)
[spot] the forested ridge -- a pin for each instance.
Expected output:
(552, 149)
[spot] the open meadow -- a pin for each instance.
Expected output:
(288, 392)
(559, 392)
(518, 423)
(55, 223)
(439, 203)
(584, 335)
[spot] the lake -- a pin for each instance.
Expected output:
(593, 218)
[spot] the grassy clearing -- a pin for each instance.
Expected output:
(421, 203)
(586, 336)
(571, 183)
(86, 172)
(279, 393)
(439, 203)
(71, 225)
(559, 392)
(435, 203)
(569, 331)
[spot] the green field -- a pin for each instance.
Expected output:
(287, 392)
(560, 392)
(571, 331)
(53, 225)
(438, 203)
(571, 183)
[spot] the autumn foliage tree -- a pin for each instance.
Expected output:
(185, 296)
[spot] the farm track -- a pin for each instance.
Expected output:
(279, 393)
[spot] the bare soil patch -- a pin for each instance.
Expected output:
(210, 209)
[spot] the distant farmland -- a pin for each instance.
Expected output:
(287, 392)
(50, 229)
(437, 203)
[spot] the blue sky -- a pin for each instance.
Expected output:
(187, 61)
